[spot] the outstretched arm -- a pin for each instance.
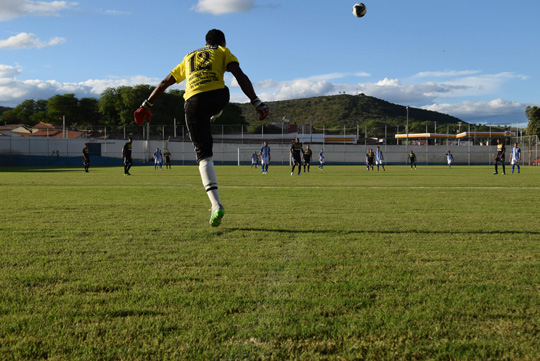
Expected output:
(161, 88)
(143, 113)
(243, 80)
(247, 88)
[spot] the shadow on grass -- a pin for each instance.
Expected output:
(412, 231)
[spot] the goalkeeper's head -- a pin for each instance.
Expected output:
(215, 37)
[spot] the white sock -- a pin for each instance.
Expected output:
(209, 180)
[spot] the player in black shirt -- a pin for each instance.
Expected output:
(499, 157)
(412, 159)
(86, 158)
(296, 152)
(307, 158)
(126, 155)
(370, 158)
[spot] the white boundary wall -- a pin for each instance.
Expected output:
(227, 153)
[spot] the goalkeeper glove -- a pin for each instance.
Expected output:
(261, 108)
(143, 112)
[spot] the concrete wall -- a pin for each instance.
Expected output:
(39, 151)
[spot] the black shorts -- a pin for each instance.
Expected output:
(499, 158)
(297, 159)
(307, 159)
(199, 108)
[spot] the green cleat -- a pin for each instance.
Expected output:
(217, 214)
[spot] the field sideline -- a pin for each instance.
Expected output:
(340, 264)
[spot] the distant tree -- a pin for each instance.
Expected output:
(533, 114)
(117, 105)
(40, 112)
(10, 117)
(88, 112)
(60, 106)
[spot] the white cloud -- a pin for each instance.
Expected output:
(430, 95)
(11, 9)
(493, 111)
(27, 41)
(220, 7)
(14, 91)
(8, 73)
(116, 12)
(446, 73)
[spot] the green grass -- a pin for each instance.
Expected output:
(343, 264)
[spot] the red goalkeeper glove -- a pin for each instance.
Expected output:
(143, 112)
(261, 108)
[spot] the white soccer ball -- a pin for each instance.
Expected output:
(359, 10)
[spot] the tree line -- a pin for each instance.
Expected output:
(114, 109)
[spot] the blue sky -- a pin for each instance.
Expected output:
(476, 60)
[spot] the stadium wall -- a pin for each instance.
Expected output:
(68, 152)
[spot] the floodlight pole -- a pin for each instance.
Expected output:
(407, 141)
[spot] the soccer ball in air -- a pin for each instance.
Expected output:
(359, 10)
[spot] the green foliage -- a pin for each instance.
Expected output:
(533, 114)
(3, 109)
(63, 106)
(346, 110)
(115, 108)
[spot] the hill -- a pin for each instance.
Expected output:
(346, 110)
(3, 109)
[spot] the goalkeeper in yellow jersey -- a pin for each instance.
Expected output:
(206, 96)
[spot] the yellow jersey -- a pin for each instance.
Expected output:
(203, 69)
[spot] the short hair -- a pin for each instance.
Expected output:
(215, 37)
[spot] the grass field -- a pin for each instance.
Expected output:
(343, 264)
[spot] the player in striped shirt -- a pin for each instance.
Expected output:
(254, 160)
(265, 157)
(515, 157)
(379, 159)
(158, 159)
(321, 159)
(449, 159)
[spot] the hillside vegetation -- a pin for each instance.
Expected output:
(346, 110)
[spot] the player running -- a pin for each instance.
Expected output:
(126, 156)
(412, 159)
(265, 157)
(158, 159)
(515, 157)
(449, 159)
(205, 97)
(499, 157)
(379, 158)
(86, 158)
(307, 158)
(321, 159)
(297, 151)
